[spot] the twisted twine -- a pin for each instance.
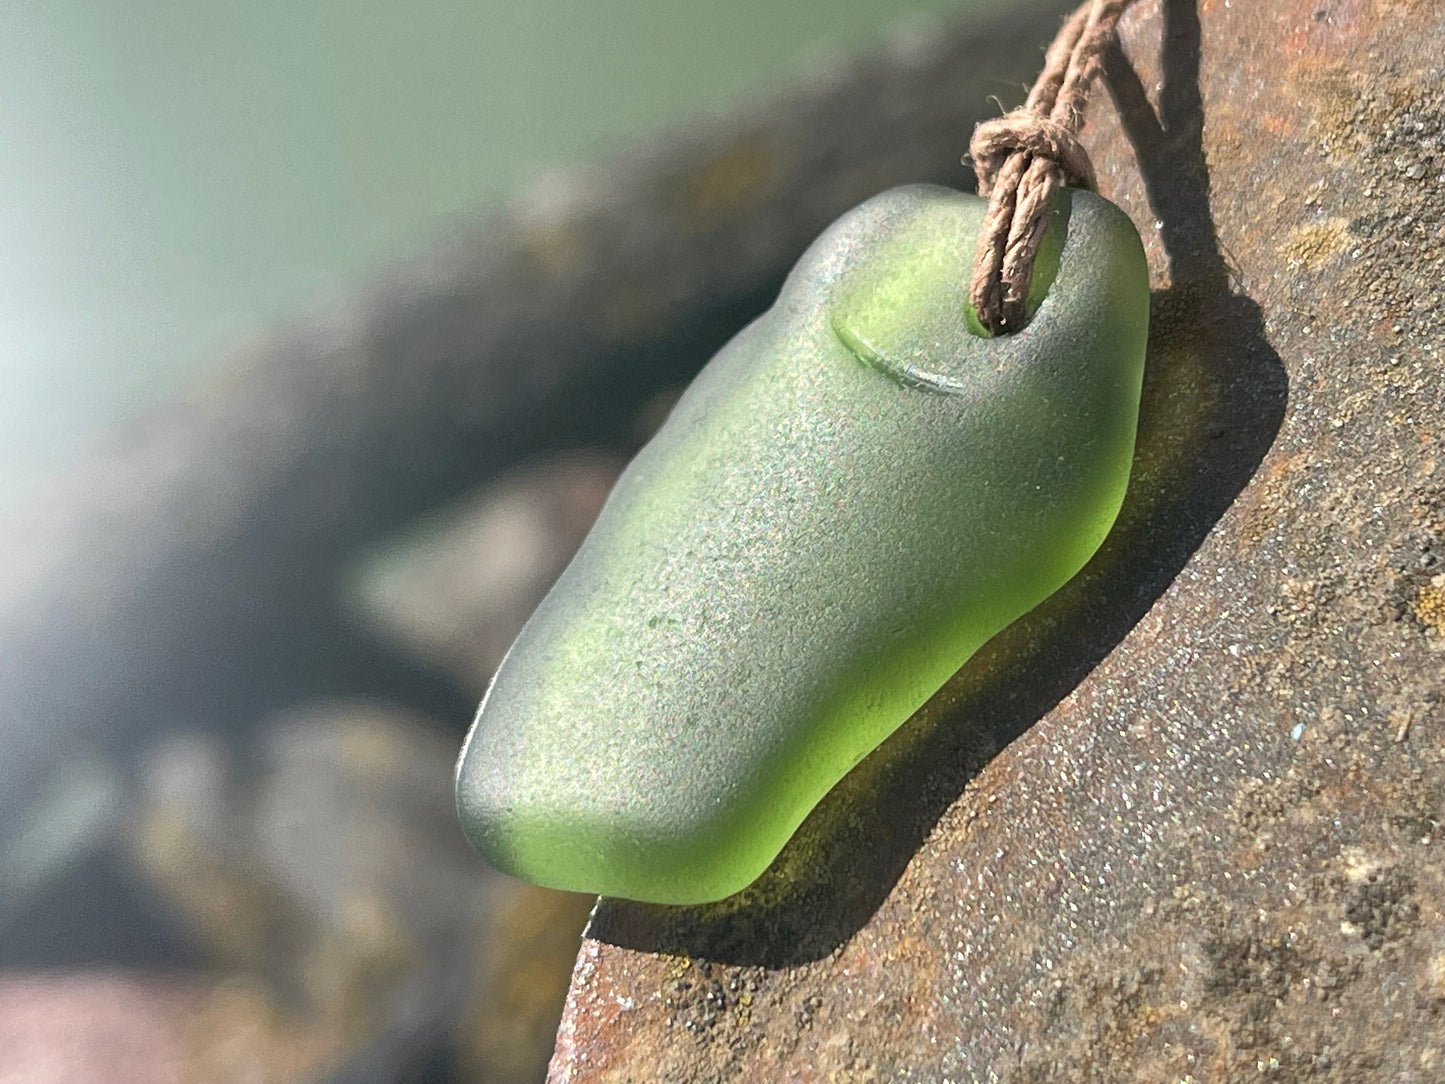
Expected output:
(1023, 158)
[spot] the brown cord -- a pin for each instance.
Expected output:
(1022, 159)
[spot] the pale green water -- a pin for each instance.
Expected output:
(175, 175)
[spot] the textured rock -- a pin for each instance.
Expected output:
(1182, 821)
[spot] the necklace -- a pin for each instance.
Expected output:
(928, 434)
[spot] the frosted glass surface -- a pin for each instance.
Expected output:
(852, 497)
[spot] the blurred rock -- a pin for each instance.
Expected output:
(528, 946)
(91, 1029)
(238, 1031)
(107, 1027)
(331, 880)
(456, 589)
(190, 835)
(74, 816)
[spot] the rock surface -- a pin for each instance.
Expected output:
(1182, 822)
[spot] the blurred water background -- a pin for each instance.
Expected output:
(175, 176)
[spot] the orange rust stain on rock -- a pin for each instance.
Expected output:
(1323, 25)
(1264, 505)
(1395, 8)
(1313, 244)
(1430, 606)
(1331, 90)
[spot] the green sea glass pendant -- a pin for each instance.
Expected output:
(852, 497)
